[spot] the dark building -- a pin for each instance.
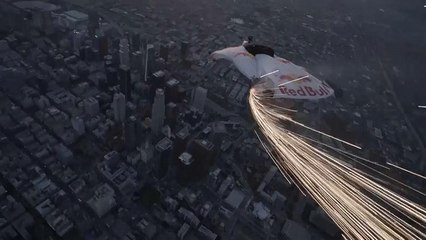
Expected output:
(103, 45)
(157, 81)
(181, 141)
(194, 165)
(164, 52)
(162, 155)
(149, 61)
(82, 53)
(203, 150)
(144, 43)
(130, 133)
(172, 112)
(125, 81)
(136, 42)
(186, 169)
(108, 61)
(111, 76)
(219, 133)
(184, 49)
(193, 118)
(93, 23)
(95, 56)
(172, 91)
(136, 59)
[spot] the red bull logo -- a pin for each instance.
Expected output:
(306, 91)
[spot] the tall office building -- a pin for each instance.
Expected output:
(184, 49)
(163, 150)
(164, 52)
(130, 135)
(149, 61)
(119, 107)
(185, 168)
(93, 23)
(158, 112)
(156, 81)
(111, 76)
(181, 141)
(103, 45)
(136, 42)
(125, 81)
(199, 97)
(77, 40)
(172, 90)
(136, 61)
(203, 150)
(172, 112)
(124, 52)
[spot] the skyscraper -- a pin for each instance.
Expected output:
(131, 133)
(156, 81)
(184, 49)
(181, 141)
(124, 52)
(93, 23)
(164, 52)
(149, 61)
(111, 76)
(77, 40)
(119, 107)
(103, 45)
(125, 81)
(199, 97)
(172, 90)
(158, 112)
(185, 168)
(136, 61)
(172, 111)
(203, 150)
(136, 42)
(163, 150)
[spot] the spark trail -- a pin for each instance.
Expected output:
(362, 206)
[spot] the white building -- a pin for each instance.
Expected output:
(119, 107)
(199, 97)
(158, 112)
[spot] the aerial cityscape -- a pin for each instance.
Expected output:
(115, 123)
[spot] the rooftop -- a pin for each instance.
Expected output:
(235, 198)
(36, 5)
(183, 133)
(295, 231)
(186, 158)
(164, 144)
(76, 15)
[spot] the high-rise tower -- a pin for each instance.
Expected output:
(158, 112)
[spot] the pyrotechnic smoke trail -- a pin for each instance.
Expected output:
(360, 205)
